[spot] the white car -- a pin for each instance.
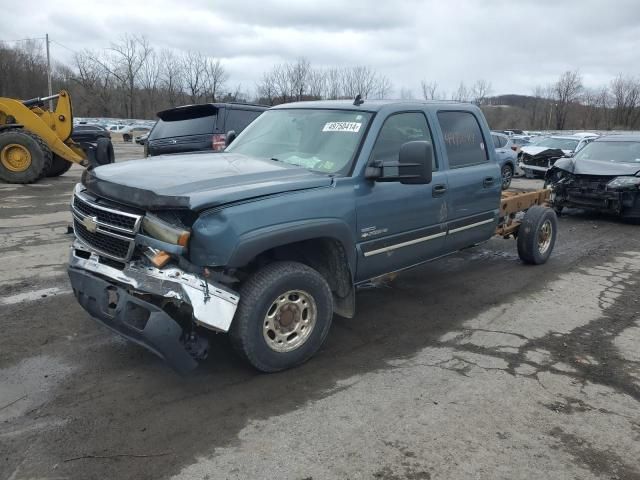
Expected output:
(540, 155)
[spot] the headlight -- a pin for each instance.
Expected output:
(624, 183)
(161, 230)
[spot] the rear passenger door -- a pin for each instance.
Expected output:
(474, 189)
(399, 225)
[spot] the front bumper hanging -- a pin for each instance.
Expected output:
(106, 293)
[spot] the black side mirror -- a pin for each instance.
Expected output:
(415, 162)
(230, 137)
(414, 165)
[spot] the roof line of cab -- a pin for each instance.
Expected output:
(374, 105)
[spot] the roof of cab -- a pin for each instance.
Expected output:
(373, 105)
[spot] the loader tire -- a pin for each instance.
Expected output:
(24, 156)
(104, 151)
(58, 166)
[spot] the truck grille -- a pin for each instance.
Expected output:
(107, 231)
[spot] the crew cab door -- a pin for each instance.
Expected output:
(399, 225)
(475, 183)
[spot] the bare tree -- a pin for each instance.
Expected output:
(334, 83)
(480, 90)
(298, 75)
(172, 76)
(566, 92)
(194, 68)
(96, 81)
(266, 88)
(216, 77)
(461, 94)
(626, 98)
(317, 81)
(125, 63)
(429, 89)
(383, 87)
(150, 82)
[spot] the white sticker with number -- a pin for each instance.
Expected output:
(353, 127)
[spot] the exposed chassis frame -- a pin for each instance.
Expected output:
(515, 202)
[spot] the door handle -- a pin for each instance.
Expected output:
(438, 190)
(488, 181)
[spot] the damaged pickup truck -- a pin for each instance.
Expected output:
(603, 176)
(267, 240)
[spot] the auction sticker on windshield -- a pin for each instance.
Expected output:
(353, 127)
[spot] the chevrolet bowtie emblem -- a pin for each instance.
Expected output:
(90, 223)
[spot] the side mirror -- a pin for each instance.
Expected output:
(230, 137)
(414, 165)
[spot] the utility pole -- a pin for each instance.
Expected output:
(49, 72)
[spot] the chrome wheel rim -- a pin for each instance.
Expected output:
(544, 236)
(507, 175)
(289, 321)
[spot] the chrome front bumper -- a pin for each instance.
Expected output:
(213, 305)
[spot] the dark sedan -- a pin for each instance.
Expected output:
(604, 176)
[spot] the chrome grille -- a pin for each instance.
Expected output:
(106, 231)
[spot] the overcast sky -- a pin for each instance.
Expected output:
(515, 45)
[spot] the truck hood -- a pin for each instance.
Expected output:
(597, 167)
(197, 181)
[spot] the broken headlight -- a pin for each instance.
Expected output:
(624, 183)
(161, 230)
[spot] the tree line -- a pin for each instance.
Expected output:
(132, 79)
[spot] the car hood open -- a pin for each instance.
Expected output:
(597, 167)
(197, 181)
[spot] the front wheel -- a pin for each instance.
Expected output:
(537, 235)
(284, 316)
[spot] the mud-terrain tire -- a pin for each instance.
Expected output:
(537, 235)
(282, 291)
(59, 166)
(24, 156)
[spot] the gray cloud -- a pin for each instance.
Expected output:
(514, 45)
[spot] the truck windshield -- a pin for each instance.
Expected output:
(320, 140)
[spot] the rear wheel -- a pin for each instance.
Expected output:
(507, 176)
(284, 316)
(58, 166)
(24, 156)
(537, 235)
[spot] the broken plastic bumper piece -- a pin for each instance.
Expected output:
(113, 297)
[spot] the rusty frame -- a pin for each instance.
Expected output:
(514, 202)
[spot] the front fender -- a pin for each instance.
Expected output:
(216, 241)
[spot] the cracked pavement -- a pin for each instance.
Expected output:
(474, 366)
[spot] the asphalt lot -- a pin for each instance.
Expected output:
(474, 366)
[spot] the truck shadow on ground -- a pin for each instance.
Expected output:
(139, 406)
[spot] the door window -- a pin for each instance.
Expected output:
(398, 129)
(463, 139)
(238, 119)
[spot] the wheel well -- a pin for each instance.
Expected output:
(328, 257)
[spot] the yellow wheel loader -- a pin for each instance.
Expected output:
(36, 142)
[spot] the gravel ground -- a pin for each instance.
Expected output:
(475, 366)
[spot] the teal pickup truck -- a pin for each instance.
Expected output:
(269, 239)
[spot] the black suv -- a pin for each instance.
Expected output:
(193, 128)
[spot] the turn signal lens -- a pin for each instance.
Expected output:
(160, 259)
